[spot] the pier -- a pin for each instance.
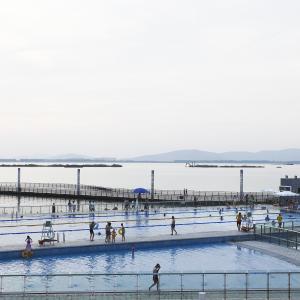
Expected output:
(98, 193)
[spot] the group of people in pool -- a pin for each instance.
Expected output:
(110, 232)
(279, 220)
(240, 218)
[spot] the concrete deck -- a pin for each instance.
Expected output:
(86, 246)
(281, 252)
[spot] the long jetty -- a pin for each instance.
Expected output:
(73, 191)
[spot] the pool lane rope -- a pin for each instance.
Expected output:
(121, 221)
(79, 215)
(134, 226)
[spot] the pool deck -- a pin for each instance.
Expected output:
(281, 252)
(98, 245)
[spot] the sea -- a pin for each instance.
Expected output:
(171, 176)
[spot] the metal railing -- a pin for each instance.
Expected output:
(223, 283)
(89, 191)
(288, 235)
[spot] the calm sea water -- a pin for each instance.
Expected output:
(167, 176)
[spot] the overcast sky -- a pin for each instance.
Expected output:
(125, 78)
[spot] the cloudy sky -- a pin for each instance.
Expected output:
(125, 78)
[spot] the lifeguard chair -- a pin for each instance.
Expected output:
(247, 224)
(48, 234)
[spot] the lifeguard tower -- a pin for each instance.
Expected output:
(48, 234)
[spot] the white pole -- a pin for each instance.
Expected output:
(19, 180)
(241, 184)
(78, 182)
(152, 185)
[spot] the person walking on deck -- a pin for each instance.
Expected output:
(107, 232)
(173, 226)
(122, 232)
(155, 277)
(279, 220)
(239, 221)
(92, 234)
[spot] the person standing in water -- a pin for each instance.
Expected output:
(155, 277)
(173, 226)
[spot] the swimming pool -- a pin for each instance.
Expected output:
(190, 258)
(138, 224)
(208, 258)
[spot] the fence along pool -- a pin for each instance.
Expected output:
(226, 282)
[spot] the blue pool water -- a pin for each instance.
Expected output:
(192, 258)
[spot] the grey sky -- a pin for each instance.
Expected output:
(124, 78)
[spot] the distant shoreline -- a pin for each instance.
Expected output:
(222, 166)
(62, 165)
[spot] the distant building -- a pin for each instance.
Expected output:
(291, 184)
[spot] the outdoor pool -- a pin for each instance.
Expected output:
(212, 259)
(191, 258)
(138, 224)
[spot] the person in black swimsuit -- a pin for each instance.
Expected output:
(92, 234)
(173, 226)
(155, 277)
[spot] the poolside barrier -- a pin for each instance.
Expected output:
(218, 285)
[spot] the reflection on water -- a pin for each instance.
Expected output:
(193, 258)
(175, 259)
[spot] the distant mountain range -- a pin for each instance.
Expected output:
(286, 155)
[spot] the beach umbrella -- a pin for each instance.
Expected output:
(140, 191)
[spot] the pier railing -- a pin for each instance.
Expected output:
(97, 192)
(224, 284)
